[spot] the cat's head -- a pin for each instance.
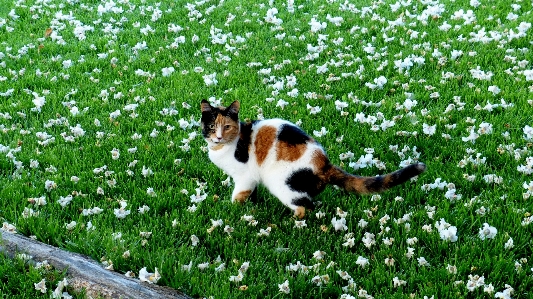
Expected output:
(220, 125)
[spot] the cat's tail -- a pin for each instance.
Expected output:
(373, 184)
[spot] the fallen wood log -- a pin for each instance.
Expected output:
(83, 273)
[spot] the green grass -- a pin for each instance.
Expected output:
(17, 278)
(31, 63)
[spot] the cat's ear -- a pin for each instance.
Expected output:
(206, 107)
(233, 109)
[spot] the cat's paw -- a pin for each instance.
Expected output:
(299, 212)
(242, 196)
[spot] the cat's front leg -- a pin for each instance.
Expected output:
(244, 187)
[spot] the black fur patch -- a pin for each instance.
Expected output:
(403, 175)
(243, 145)
(253, 197)
(292, 135)
(305, 181)
(228, 112)
(305, 202)
(208, 118)
(374, 184)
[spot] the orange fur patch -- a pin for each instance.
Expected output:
(217, 147)
(290, 152)
(344, 180)
(263, 142)
(357, 184)
(388, 180)
(242, 196)
(227, 134)
(299, 212)
(319, 160)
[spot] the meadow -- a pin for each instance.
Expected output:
(102, 154)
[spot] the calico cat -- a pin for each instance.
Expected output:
(277, 153)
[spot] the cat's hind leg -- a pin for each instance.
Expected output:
(300, 204)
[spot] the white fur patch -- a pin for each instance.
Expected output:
(272, 173)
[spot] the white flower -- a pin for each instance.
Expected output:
(203, 266)
(316, 25)
(320, 280)
(282, 104)
(264, 232)
(474, 282)
(9, 228)
(58, 292)
(505, 294)
(220, 267)
(422, 262)
(528, 133)
(49, 185)
(146, 171)
(361, 261)
(428, 130)
(362, 223)
(71, 225)
(284, 287)
(67, 64)
(115, 154)
(38, 101)
(167, 71)
(64, 201)
(380, 82)
(446, 231)
(339, 224)
(114, 114)
(451, 269)
(449, 234)
(293, 93)
(389, 262)
(369, 239)
(210, 79)
(299, 224)
(509, 244)
(494, 89)
(198, 197)
(410, 252)
(528, 74)
(228, 229)
(237, 278)
(41, 286)
(194, 240)
(487, 231)
(320, 133)
(319, 255)
(398, 282)
(143, 209)
(314, 110)
(350, 242)
(145, 276)
(122, 212)
(151, 192)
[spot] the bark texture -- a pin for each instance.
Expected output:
(85, 273)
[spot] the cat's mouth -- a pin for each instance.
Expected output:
(217, 140)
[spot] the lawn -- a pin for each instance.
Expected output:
(102, 154)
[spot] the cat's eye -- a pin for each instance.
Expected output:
(212, 127)
(227, 127)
